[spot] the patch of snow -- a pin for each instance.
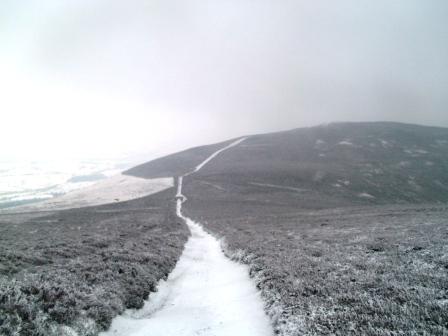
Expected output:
(277, 186)
(384, 143)
(336, 185)
(26, 197)
(346, 143)
(320, 144)
(179, 195)
(429, 163)
(215, 154)
(213, 185)
(443, 302)
(404, 164)
(319, 176)
(366, 195)
(415, 152)
(118, 188)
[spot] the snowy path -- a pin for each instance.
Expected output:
(206, 294)
(215, 154)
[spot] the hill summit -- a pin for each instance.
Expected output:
(334, 164)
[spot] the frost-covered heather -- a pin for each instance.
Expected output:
(345, 256)
(335, 235)
(77, 269)
(378, 271)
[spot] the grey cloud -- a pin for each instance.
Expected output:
(249, 66)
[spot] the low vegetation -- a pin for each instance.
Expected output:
(332, 221)
(349, 271)
(77, 269)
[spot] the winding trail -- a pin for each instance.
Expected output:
(206, 294)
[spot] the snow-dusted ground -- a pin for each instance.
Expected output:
(276, 186)
(117, 188)
(215, 154)
(206, 294)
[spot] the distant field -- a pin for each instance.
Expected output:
(82, 267)
(376, 270)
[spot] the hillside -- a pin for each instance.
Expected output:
(343, 226)
(175, 164)
(337, 164)
(70, 272)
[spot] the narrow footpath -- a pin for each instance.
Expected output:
(206, 294)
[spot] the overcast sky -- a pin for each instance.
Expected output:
(84, 78)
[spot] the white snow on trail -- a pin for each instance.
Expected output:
(118, 188)
(206, 294)
(215, 154)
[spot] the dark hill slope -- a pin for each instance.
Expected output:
(305, 210)
(175, 164)
(348, 162)
(328, 258)
(341, 163)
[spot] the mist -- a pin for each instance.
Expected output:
(110, 78)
